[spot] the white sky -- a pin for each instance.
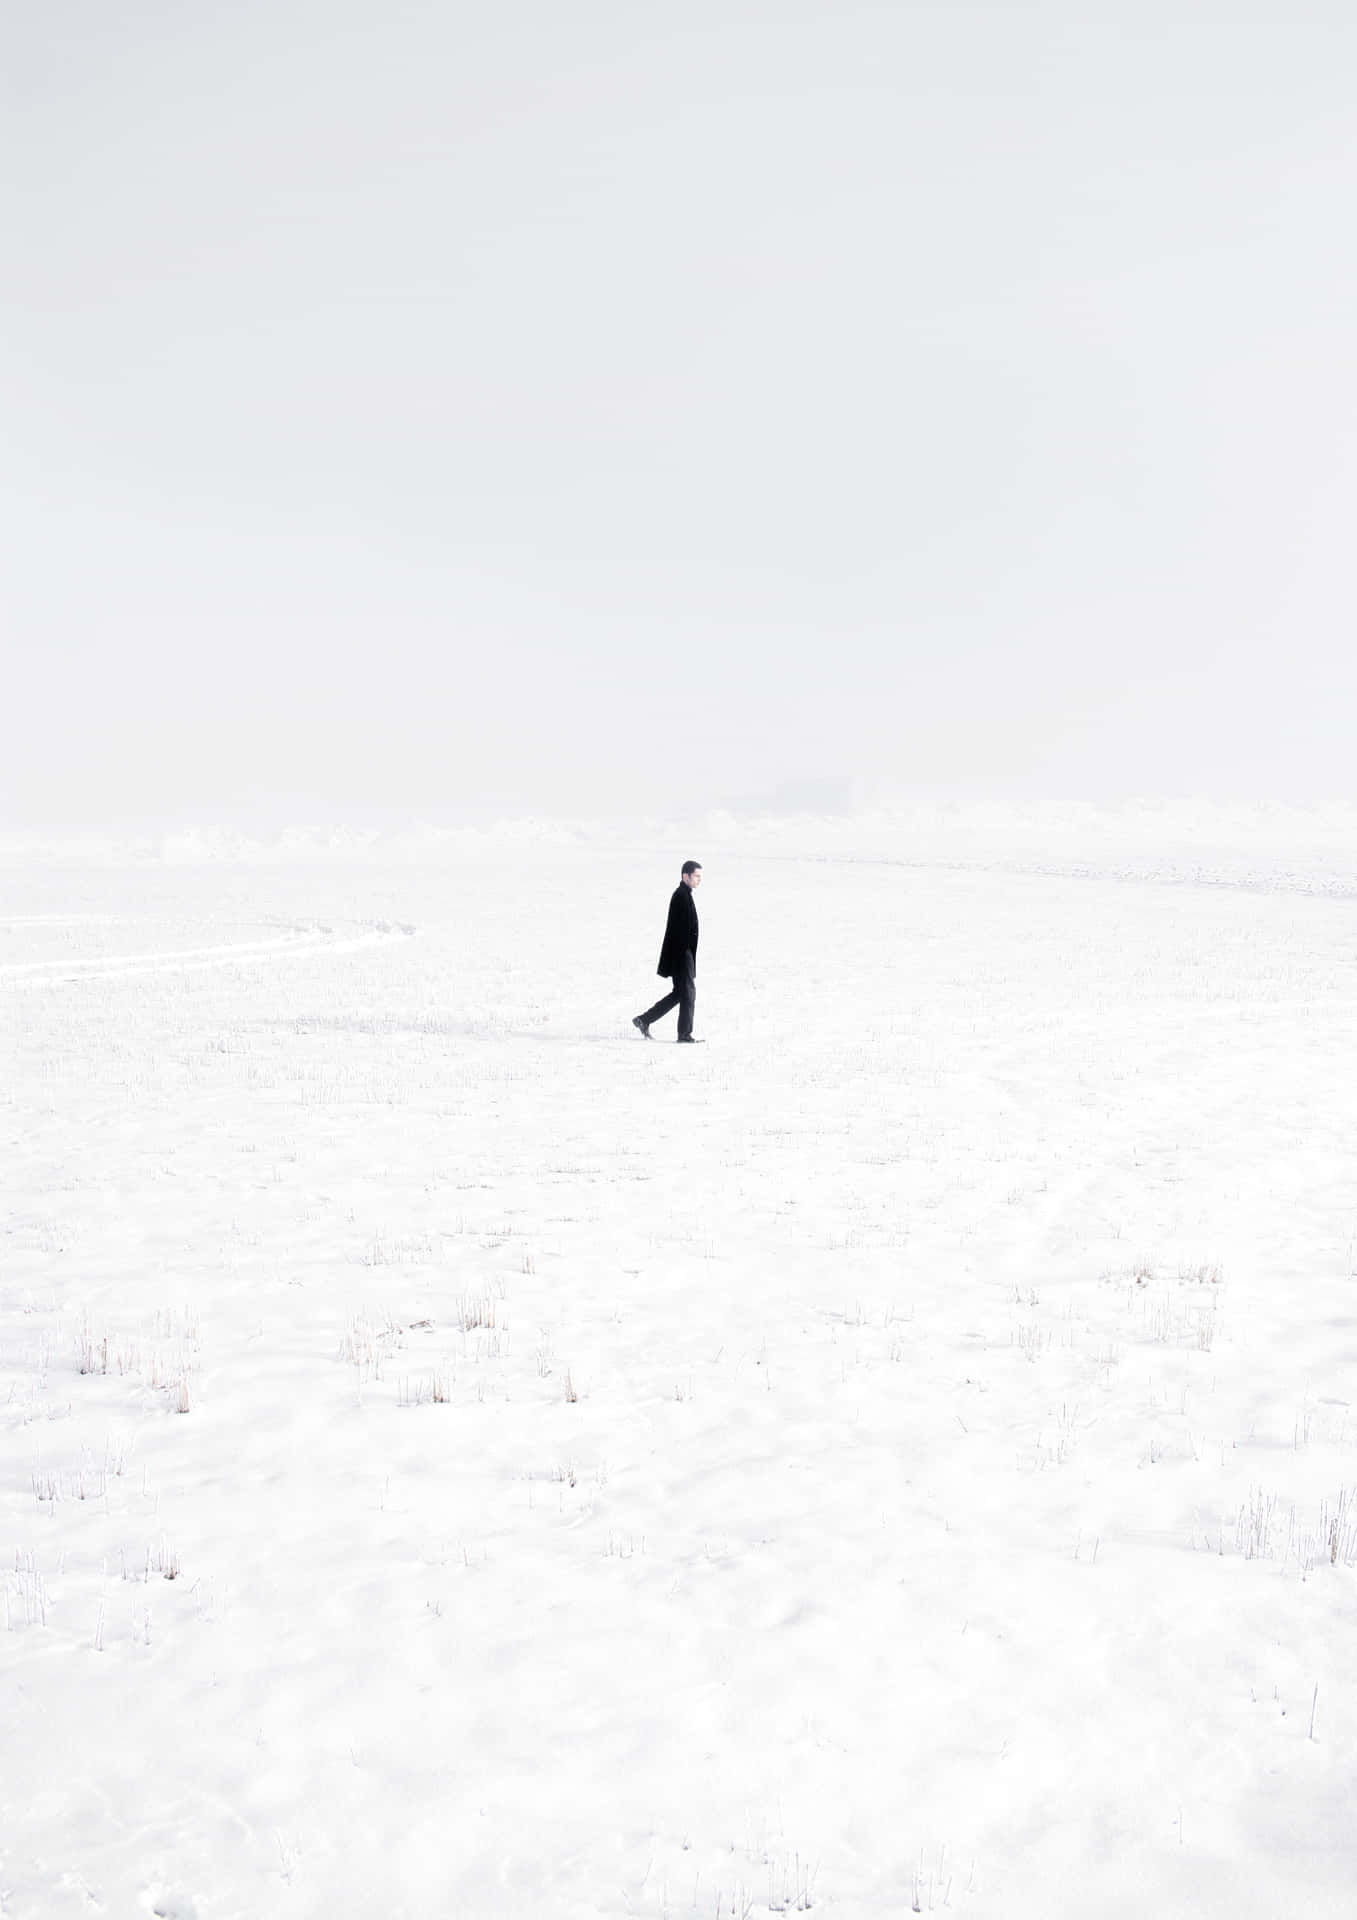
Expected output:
(623, 408)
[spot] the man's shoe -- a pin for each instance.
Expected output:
(687, 1040)
(641, 1027)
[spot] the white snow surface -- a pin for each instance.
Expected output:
(900, 1456)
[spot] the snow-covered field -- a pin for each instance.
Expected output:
(460, 1460)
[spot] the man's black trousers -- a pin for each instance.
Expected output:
(684, 997)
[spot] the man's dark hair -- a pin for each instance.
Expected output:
(691, 866)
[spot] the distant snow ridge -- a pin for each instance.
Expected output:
(1192, 841)
(292, 845)
(1260, 847)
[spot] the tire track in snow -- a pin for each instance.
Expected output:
(199, 959)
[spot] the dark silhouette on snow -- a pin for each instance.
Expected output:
(678, 957)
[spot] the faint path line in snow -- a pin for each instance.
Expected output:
(1319, 887)
(195, 959)
(58, 919)
(113, 962)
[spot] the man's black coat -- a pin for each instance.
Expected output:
(680, 933)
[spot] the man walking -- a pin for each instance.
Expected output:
(678, 957)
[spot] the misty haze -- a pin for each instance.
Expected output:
(462, 1454)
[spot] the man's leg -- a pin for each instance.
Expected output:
(661, 1007)
(685, 992)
